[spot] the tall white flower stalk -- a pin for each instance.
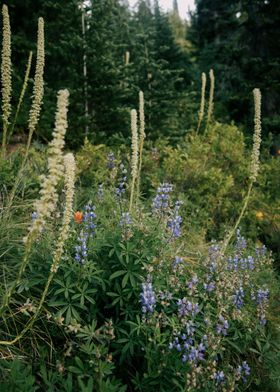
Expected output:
(6, 78)
(142, 136)
(38, 88)
(255, 164)
(255, 158)
(211, 98)
(70, 168)
(23, 90)
(134, 155)
(202, 101)
(46, 205)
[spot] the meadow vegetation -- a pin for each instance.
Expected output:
(137, 268)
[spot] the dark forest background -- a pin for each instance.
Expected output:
(147, 49)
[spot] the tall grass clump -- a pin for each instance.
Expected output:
(6, 78)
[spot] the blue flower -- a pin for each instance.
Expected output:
(238, 297)
(111, 161)
(219, 377)
(120, 190)
(222, 326)
(125, 219)
(186, 307)
(243, 371)
(161, 200)
(147, 298)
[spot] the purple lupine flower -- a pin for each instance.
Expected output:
(34, 215)
(219, 377)
(81, 249)
(238, 298)
(186, 307)
(209, 286)
(174, 223)
(262, 301)
(161, 200)
(147, 298)
(178, 260)
(111, 164)
(89, 218)
(241, 242)
(125, 220)
(87, 231)
(262, 296)
(120, 190)
(193, 282)
(243, 371)
(222, 326)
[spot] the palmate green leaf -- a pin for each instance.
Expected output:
(117, 274)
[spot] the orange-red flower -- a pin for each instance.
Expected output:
(78, 217)
(259, 215)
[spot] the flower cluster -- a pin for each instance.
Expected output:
(111, 161)
(238, 298)
(261, 298)
(161, 201)
(186, 308)
(120, 190)
(219, 377)
(147, 298)
(185, 344)
(125, 220)
(237, 263)
(87, 231)
(174, 223)
(222, 326)
(243, 371)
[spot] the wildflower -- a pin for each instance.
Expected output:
(202, 101)
(255, 158)
(89, 217)
(259, 215)
(87, 231)
(238, 298)
(120, 190)
(125, 219)
(209, 286)
(222, 326)
(241, 242)
(262, 302)
(219, 377)
(161, 200)
(6, 78)
(134, 155)
(78, 217)
(34, 215)
(111, 164)
(243, 371)
(211, 97)
(38, 87)
(186, 307)
(147, 298)
(174, 224)
(81, 249)
(178, 260)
